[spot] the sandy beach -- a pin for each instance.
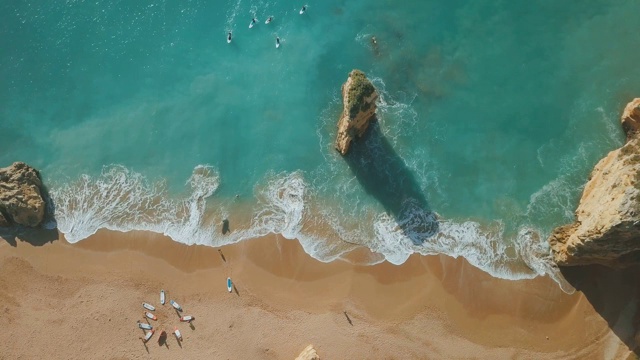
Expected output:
(82, 301)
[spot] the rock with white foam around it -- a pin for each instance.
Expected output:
(607, 226)
(359, 109)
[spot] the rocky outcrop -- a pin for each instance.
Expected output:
(607, 227)
(359, 109)
(631, 118)
(21, 200)
(309, 353)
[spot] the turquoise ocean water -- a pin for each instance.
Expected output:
(492, 114)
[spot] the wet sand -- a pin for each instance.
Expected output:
(82, 300)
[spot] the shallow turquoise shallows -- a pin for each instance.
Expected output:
(492, 113)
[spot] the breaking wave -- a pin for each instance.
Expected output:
(123, 200)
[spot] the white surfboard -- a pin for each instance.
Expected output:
(148, 307)
(304, 8)
(252, 23)
(269, 19)
(150, 315)
(187, 318)
(175, 305)
(162, 298)
(148, 335)
(144, 326)
(277, 43)
(177, 333)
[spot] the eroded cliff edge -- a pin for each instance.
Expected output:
(607, 226)
(21, 200)
(359, 109)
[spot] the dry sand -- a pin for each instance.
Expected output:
(82, 301)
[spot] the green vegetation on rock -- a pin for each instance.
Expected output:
(360, 89)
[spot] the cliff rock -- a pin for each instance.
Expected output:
(359, 109)
(631, 118)
(309, 353)
(21, 200)
(607, 227)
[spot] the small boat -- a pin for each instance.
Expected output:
(162, 298)
(277, 42)
(187, 318)
(175, 305)
(150, 315)
(162, 338)
(148, 307)
(269, 19)
(144, 326)
(148, 335)
(176, 332)
(229, 283)
(304, 8)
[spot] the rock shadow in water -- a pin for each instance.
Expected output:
(383, 174)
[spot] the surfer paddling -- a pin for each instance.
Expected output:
(277, 42)
(229, 38)
(253, 22)
(303, 10)
(269, 19)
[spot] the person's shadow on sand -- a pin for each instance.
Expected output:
(348, 318)
(382, 173)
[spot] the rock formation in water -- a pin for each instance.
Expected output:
(21, 199)
(607, 227)
(309, 353)
(359, 109)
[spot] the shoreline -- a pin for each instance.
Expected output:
(430, 306)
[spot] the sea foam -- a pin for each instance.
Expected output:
(123, 200)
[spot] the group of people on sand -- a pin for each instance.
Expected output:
(254, 21)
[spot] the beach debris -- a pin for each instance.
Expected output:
(162, 338)
(162, 297)
(150, 315)
(176, 332)
(175, 305)
(148, 335)
(187, 318)
(148, 306)
(144, 326)
(229, 284)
